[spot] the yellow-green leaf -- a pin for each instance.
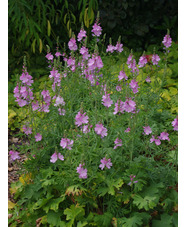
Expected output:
(48, 28)
(40, 45)
(11, 204)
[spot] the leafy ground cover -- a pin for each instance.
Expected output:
(101, 137)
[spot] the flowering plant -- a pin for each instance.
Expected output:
(83, 119)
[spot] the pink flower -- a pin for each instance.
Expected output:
(84, 52)
(106, 100)
(100, 130)
(46, 96)
(61, 157)
(119, 107)
(72, 44)
(66, 143)
(142, 61)
(14, 155)
(61, 111)
(27, 130)
(81, 119)
(96, 29)
(21, 102)
(86, 128)
(134, 86)
(167, 41)
(129, 105)
(105, 163)
(59, 101)
(155, 59)
(157, 141)
(35, 105)
(129, 60)
(38, 137)
(53, 158)
(56, 156)
(81, 34)
(82, 172)
(175, 124)
(118, 88)
(147, 130)
(122, 75)
(127, 130)
(26, 78)
(118, 143)
(119, 47)
(164, 136)
(132, 180)
(148, 80)
(49, 56)
(57, 54)
(110, 48)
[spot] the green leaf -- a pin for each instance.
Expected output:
(53, 218)
(147, 203)
(103, 220)
(134, 221)
(166, 221)
(81, 224)
(74, 212)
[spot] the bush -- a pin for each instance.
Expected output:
(102, 139)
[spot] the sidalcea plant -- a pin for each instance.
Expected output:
(87, 116)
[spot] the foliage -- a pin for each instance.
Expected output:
(139, 22)
(77, 177)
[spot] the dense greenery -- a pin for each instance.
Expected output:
(33, 24)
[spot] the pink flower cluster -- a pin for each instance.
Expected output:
(105, 163)
(131, 62)
(95, 63)
(118, 47)
(175, 124)
(134, 86)
(27, 130)
(59, 101)
(129, 106)
(81, 34)
(49, 56)
(72, 44)
(81, 119)
(142, 61)
(100, 130)
(14, 155)
(155, 59)
(46, 101)
(118, 143)
(122, 75)
(56, 156)
(163, 136)
(66, 143)
(147, 130)
(38, 137)
(167, 41)
(96, 29)
(106, 100)
(82, 171)
(56, 77)
(84, 52)
(23, 93)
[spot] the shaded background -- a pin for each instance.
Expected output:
(33, 24)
